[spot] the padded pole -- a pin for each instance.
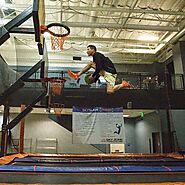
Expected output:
(4, 131)
(21, 137)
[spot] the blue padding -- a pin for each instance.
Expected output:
(72, 160)
(27, 159)
(111, 169)
(17, 168)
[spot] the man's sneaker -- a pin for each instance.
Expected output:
(125, 84)
(75, 76)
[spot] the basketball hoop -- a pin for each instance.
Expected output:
(57, 43)
(58, 33)
(58, 109)
(57, 86)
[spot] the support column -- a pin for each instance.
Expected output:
(170, 127)
(4, 131)
(177, 78)
(179, 64)
(21, 138)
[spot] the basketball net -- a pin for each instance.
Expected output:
(57, 43)
(58, 109)
(57, 86)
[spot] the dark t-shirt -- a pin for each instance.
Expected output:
(103, 63)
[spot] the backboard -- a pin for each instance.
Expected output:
(39, 19)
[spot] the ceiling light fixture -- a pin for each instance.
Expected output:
(2, 3)
(148, 37)
(150, 51)
(126, 115)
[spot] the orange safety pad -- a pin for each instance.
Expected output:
(9, 158)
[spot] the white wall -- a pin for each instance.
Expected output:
(178, 125)
(138, 132)
(40, 126)
(178, 117)
(130, 145)
(143, 131)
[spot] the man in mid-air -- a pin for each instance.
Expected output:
(103, 67)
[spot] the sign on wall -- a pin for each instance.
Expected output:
(98, 125)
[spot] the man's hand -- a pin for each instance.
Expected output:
(89, 79)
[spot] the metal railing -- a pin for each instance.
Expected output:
(138, 80)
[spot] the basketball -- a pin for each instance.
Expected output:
(87, 79)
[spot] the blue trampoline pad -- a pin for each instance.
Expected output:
(110, 169)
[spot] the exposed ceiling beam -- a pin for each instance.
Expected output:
(124, 21)
(28, 37)
(110, 9)
(117, 26)
(124, 10)
(98, 39)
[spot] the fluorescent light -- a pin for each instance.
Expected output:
(148, 37)
(126, 115)
(2, 3)
(151, 51)
(160, 46)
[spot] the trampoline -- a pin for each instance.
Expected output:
(92, 168)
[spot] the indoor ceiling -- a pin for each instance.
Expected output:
(128, 31)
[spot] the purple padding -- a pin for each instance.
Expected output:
(111, 169)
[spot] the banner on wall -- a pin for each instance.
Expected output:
(98, 125)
